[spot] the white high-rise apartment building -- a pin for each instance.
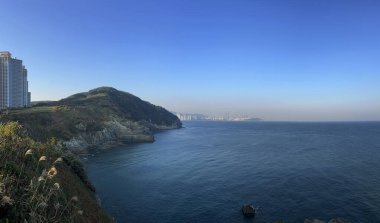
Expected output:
(13, 83)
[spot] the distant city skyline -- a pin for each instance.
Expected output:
(295, 60)
(224, 117)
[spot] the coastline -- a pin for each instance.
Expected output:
(116, 142)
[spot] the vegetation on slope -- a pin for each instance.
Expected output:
(42, 182)
(89, 112)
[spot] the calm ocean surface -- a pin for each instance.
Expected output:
(205, 171)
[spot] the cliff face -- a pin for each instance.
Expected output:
(102, 116)
(113, 132)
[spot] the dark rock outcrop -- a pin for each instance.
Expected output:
(248, 210)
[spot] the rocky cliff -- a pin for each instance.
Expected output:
(102, 116)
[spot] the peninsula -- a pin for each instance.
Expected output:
(100, 117)
(41, 179)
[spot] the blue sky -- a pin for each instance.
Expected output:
(275, 59)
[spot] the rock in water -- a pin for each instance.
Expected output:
(314, 221)
(339, 220)
(248, 210)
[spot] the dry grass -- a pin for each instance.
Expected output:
(39, 182)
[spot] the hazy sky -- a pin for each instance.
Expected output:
(274, 59)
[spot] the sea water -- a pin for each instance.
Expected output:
(206, 171)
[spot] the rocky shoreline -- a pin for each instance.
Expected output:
(115, 133)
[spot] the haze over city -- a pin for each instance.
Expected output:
(277, 60)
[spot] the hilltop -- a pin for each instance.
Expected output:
(102, 116)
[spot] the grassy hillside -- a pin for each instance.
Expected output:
(43, 182)
(88, 114)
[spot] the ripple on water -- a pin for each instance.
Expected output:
(207, 170)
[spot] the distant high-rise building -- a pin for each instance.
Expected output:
(13, 83)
